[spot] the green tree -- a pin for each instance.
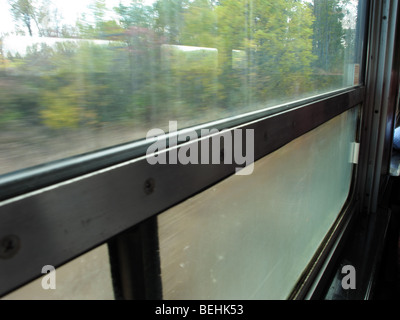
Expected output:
(169, 19)
(136, 14)
(42, 16)
(95, 25)
(200, 25)
(90, 80)
(233, 34)
(276, 37)
(24, 11)
(328, 35)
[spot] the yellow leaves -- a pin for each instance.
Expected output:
(62, 109)
(4, 63)
(60, 116)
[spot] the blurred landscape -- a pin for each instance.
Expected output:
(67, 89)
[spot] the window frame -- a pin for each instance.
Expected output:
(61, 210)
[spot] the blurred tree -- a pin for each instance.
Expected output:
(96, 24)
(200, 25)
(136, 14)
(49, 20)
(24, 11)
(169, 19)
(329, 35)
(43, 15)
(233, 34)
(177, 58)
(277, 39)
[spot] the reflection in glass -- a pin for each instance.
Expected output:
(251, 237)
(77, 78)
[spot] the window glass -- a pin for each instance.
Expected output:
(81, 75)
(251, 237)
(85, 278)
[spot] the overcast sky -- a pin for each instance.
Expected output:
(69, 9)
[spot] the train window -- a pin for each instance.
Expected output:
(81, 87)
(78, 78)
(87, 277)
(252, 238)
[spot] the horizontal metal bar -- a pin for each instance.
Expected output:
(36, 177)
(54, 224)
